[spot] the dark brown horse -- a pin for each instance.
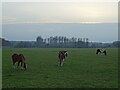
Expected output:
(20, 59)
(101, 51)
(62, 55)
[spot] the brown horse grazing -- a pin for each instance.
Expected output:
(62, 55)
(20, 59)
(101, 51)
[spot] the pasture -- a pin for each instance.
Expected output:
(82, 69)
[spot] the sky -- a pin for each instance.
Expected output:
(63, 12)
(60, 0)
(71, 19)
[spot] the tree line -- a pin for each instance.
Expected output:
(62, 42)
(58, 42)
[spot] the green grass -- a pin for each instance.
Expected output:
(0, 68)
(82, 69)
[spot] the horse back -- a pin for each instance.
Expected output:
(18, 57)
(22, 58)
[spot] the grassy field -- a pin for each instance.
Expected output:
(82, 69)
(0, 68)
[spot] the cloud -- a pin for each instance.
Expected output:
(4, 18)
(7, 20)
(41, 22)
(90, 22)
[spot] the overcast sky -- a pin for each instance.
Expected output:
(31, 14)
(99, 12)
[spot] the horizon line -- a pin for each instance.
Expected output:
(60, 23)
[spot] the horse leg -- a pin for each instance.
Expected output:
(61, 63)
(18, 64)
(21, 65)
(105, 53)
(97, 52)
(13, 65)
(58, 62)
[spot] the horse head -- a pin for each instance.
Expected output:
(65, 53)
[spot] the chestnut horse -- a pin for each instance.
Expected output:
(20, 59)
